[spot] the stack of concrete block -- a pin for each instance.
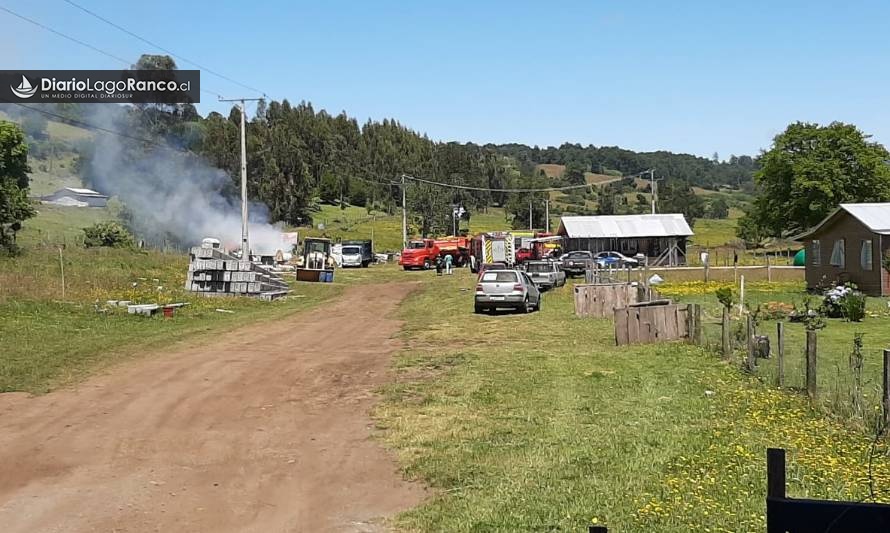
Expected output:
(214, 272)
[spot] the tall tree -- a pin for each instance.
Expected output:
(809, 170)
(677, 196)
(15, 206)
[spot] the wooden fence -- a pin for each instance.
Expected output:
(601, 300)
(656, 321)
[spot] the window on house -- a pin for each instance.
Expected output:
(865, 255)
(837, 254)
(817, 252)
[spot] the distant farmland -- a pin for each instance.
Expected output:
(555, 171)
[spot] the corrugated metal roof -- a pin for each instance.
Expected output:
(89, 192)
(594, 227)
(875, 216)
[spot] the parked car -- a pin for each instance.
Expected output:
(575, 263)
(545, 274)
(614, 259)
(501, 289)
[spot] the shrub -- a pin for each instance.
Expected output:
(844, 301)
(725, 297)
(853, 307)
(108, 233)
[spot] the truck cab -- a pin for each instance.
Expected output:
(357, 253)
(420, 253)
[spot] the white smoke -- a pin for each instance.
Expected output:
(171, 195)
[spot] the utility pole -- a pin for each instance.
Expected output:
(245, 243)
(653, 187)
(404, 216)
(547, 216)
(531, 217)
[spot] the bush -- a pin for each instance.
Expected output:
(725, 297)
(844, 301)
(854, 307)
(108, 233)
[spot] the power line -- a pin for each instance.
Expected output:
(82, 43)
(60, 34)
(519, 190)
(82, 124)
(161, 48)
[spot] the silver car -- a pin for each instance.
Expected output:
(503, 289)
(545, 274)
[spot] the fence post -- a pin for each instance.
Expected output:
(769, 270)
(780, 350)
(690, 322)
(749, 361)
(741, 295)
(62, 270)
(886, 388)
(727, 349)
(811, 363)
(775, 473)
(698, 328)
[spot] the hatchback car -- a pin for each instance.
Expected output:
(546, 274)
(575, 263)
(614, 259)
(506, 289)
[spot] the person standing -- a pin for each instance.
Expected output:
(448, 261)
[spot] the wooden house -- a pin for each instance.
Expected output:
(848, 246)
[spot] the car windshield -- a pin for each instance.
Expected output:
(576, 255)
(351, 250)
(538, 267)
(416, 245)
(499, 276)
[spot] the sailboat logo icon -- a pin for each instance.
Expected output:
(24, 90)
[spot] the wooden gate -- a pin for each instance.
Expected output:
(650, 322)
(601, 300)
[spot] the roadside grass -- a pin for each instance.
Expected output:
(835, 343)
(539, 423)
(53, 337)
(51, 341)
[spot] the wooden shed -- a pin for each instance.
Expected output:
(847, 246)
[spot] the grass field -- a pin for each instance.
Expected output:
(835, 342)
(386, 230)
(539, 423)
(56, 225)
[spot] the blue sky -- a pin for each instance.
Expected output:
(687, 76)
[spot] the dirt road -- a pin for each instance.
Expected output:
(262, 429)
